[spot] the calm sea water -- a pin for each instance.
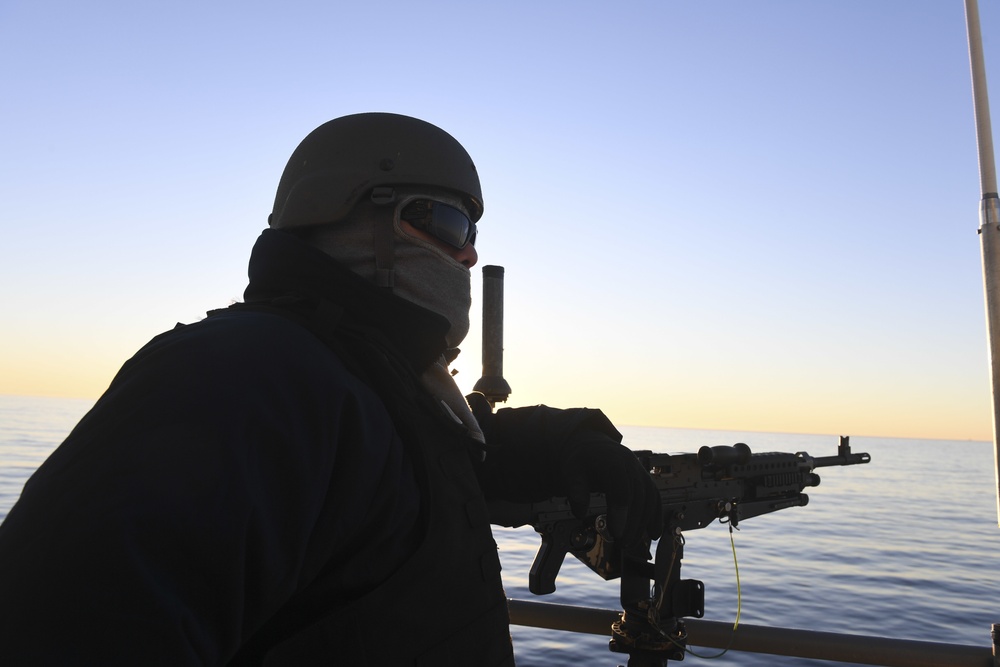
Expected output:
(903, 547)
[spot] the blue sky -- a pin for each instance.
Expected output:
(755, 216)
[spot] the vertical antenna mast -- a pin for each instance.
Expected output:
(989, 218)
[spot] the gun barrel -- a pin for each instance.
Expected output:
(844, 456)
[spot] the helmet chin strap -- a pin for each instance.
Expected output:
(385, 275)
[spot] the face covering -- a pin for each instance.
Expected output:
(424, 274)
(429, 277)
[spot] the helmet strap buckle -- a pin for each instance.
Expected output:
(382, 196)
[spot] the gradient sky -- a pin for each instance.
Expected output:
(735, 215)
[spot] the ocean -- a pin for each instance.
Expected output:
(902, 547)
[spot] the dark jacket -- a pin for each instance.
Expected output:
(269, 484)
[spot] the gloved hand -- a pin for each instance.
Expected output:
(596, 463)
(535, 453)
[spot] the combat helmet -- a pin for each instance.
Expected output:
(345, 159)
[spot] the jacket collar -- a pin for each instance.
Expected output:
(283, 268)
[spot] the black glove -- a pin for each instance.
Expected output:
(595, 462)
(538, 452)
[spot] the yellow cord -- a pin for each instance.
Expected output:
(739, 607)
(739, 590)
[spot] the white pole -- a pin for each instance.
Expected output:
(989, 219)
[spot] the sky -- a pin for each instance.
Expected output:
(752, 216)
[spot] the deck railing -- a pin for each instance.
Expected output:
(858, 649)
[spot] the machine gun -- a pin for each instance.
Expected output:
(728, 483)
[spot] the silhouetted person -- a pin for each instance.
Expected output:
(296, 479)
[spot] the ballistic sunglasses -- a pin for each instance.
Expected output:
(442, 221)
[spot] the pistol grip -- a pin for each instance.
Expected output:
(548, 560)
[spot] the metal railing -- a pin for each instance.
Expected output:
(858, 649)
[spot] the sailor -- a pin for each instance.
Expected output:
(296, 479)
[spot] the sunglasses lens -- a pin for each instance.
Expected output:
(446, 223)
(452, 226)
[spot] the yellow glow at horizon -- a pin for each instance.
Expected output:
(635, 402)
